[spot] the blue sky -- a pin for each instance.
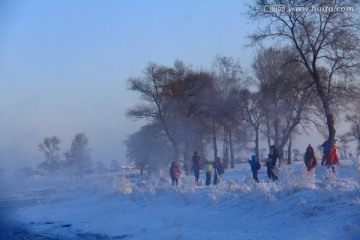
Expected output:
(64, 65)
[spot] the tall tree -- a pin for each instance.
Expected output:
(283, 84)
(154, 88)
(148, 148)
(50, 147)
(327, 43)
(229, 76)
(354, 133)
(79, 153)
(253, 112)
(176, 99)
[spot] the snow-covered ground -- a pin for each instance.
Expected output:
(116, 207)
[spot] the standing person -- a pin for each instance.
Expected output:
(325, 146)
(273, 156)
(310, 158)
(255, 167)
(218, 170)
(174, 173)
(208, 169)
(196, 166)
(330, 158)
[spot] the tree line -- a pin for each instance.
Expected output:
(76, 160)
(310, 80)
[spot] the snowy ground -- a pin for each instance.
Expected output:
(115, 207)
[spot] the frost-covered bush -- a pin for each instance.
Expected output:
(186, 183)
(288, 179)
(220, 189)
(122, 185)
(328, 179)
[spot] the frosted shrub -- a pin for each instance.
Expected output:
(287, 179)
(152, 183)
(122, 185)
(266, 190)
(219, 190)
(186, 183)
(328, 179)
(306, 178)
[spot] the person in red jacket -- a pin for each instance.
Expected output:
(196, 166)
(330, 158)
(174, 173)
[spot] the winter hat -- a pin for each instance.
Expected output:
(309, 148)
(253, 157)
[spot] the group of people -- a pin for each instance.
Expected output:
(330, 158)
(215, 166)
(271, 164)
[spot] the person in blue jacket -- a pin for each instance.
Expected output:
(254, 164)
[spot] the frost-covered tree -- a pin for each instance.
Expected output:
(284, 93)
(155, 90)
(79, 154)
(229, 76)
(176, 100)
(253, 112)
(51, 150)
(327, 43)
(148, 148)
(353, 117)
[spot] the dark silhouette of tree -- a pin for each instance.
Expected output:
(148, 148)
(285, 96)
(50, 147)
(192, 98)
(175, 98)
(353, 117)
(155, 91)
(327, 43)
(253, 112)
(229, 76)
(79, 154)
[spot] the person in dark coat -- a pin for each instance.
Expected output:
(218, 170)
(174, 173)
(273, 157)
(310, 158)
(196, 166)
(254, 164)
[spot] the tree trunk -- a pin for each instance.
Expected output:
(326, 106)
(232, 157)
(214, 140)
(257, 153)
(187, 156)
(226, 148)
(268, 132)
(276, 129)
(289, 150)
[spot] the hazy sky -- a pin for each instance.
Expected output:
(64, 64)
